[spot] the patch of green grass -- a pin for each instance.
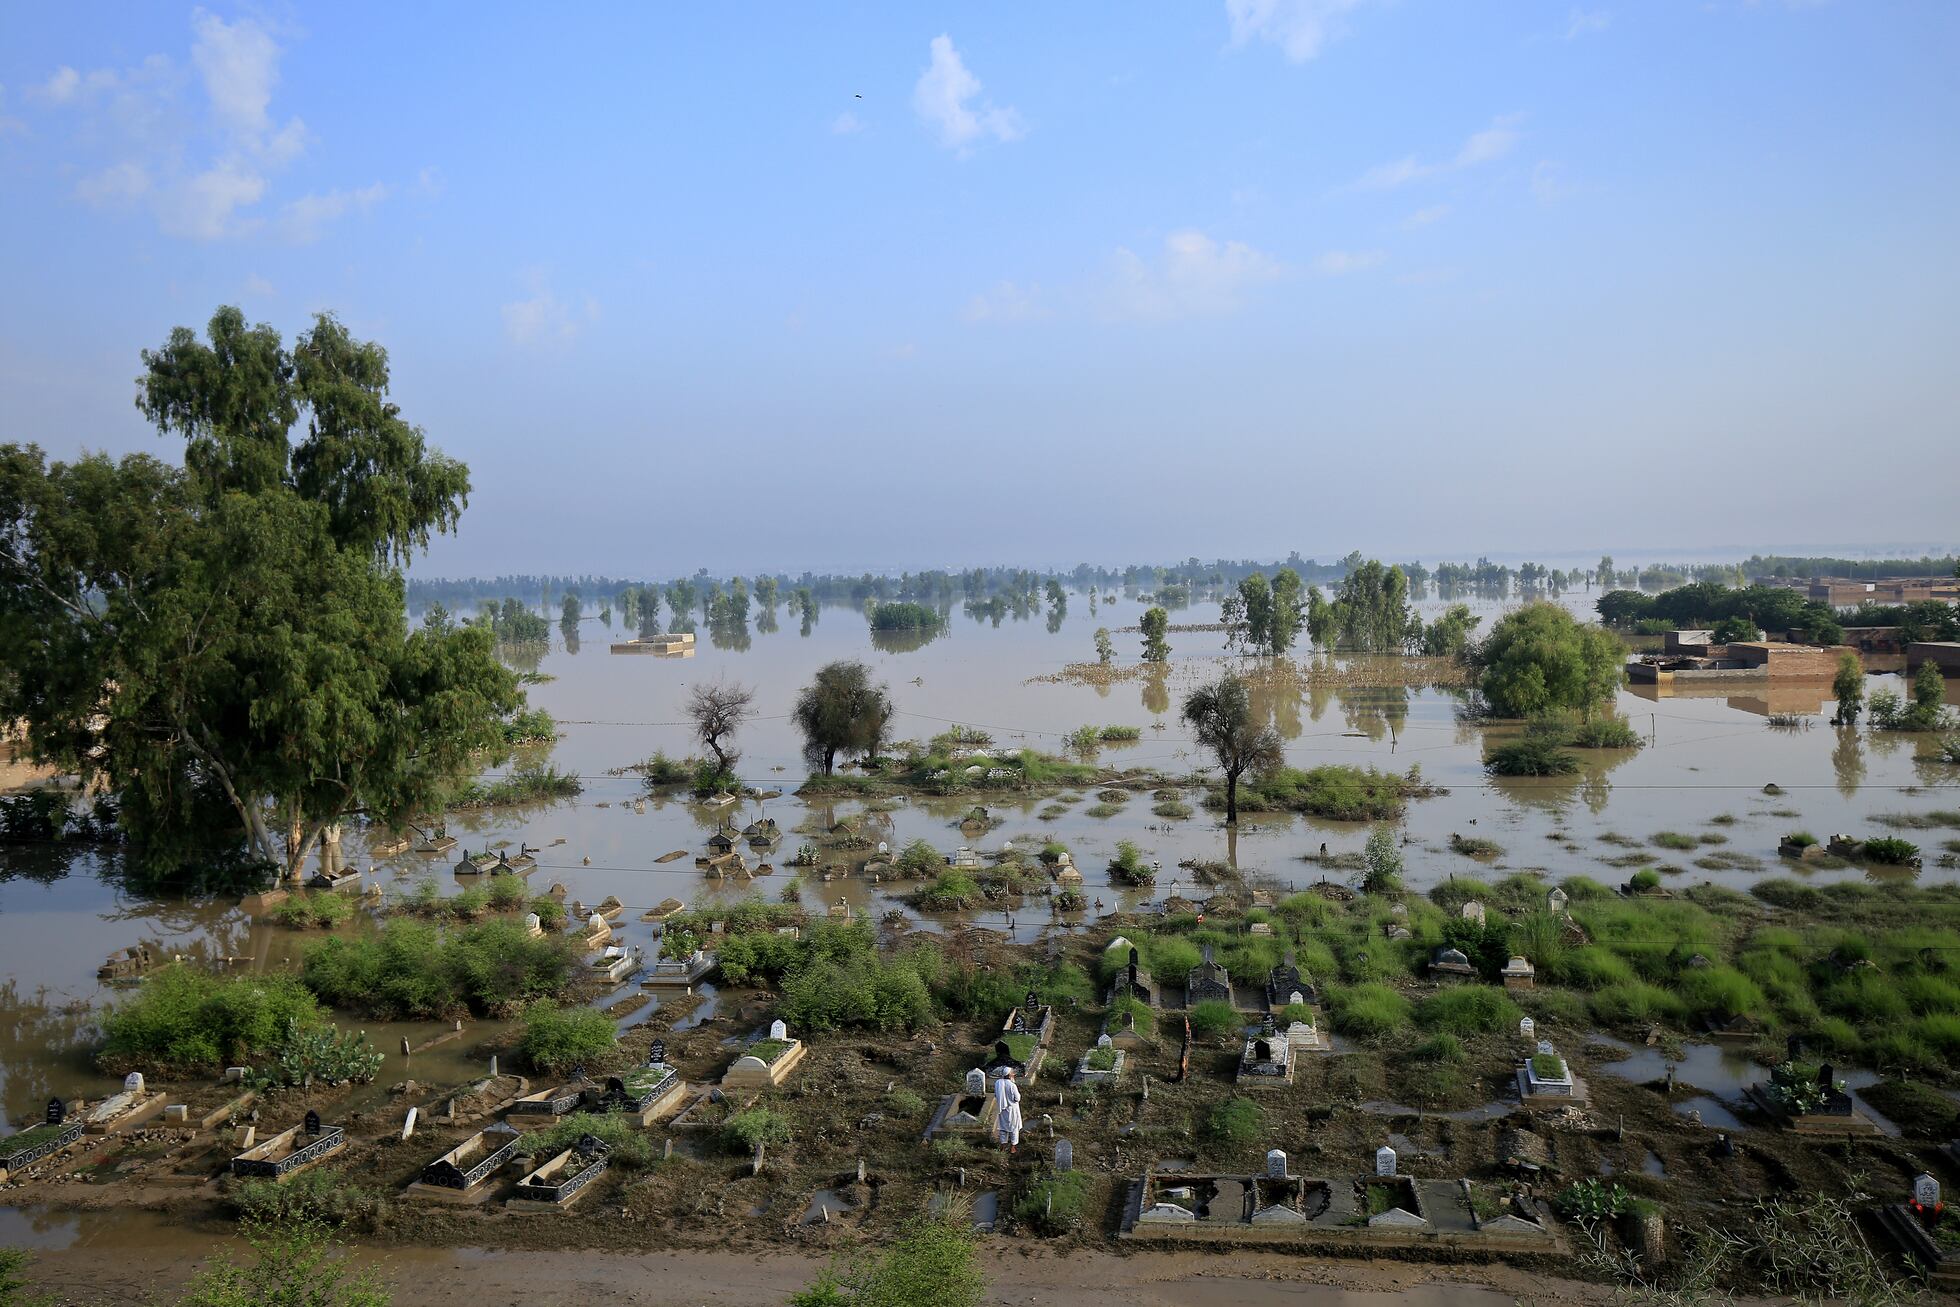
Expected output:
(556, 1038)
(1053, 1204)
(1339, 793)
(758, 1125)
(1674, 839)
(1214, 1017)
(1234, 1123)
(1368, 1011)
(1468, 1010)
(1173, 810)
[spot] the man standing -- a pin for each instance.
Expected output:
(1007, 1098)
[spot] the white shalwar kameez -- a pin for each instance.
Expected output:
(1007, 1123)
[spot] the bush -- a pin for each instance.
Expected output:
(183, 1020)
(1720, 993)
(1605, 732)
(1634, 1003)
(1368, 1011)
(903, 1102)
(1234, 1123)
(412, 969)
(1339, 793)
(1531, 755)
(551, 913)
(1890, 851)
(328, 1198)
(1592, 967)
(1444, 1048)
(629, 1145)
(1128, 866)
(1051, 1205)
(556, 1039)
(505, 893)
(1642, 882)
(951, 891)
(1212, 1018)
(757, 1125)
(921, 859)
(1469, 1010)
(662, 772)
(325, 911)
(1674, 839)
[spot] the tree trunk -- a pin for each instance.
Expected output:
(829, 760)
(1231, 798)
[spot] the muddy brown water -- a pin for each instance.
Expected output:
(62, 912)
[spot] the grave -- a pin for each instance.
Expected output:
(557, 1184)
(646, 1094)
(971, 1111)
(762, 833)
(1518, 973)
(134, 1106)
(1556, 901)
(1920, 1229)
(1472, 910)
(476, 864)
(1545, 1079)
(463, 1174)
(521, 863)
(126, 966)
(1208, 981)
(545, 1106)
(1810, 1100)
(437, 841)
(767, 1062)
(533, 925)
(666, 972)
(1031, 1018)
(616, 962)
(1101, 1065)
(1268, 1055)
(290, 1151)
(1131, 979)
(1125, 1033)
(595, 932)
(662, 910)
(1285, 986)
(54, 1133)
(1451, 964)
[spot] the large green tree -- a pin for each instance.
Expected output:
(1222, 720)
(1370, 611)
(842, 710)
(1155, 625)
(1540, 659)
(224, 647)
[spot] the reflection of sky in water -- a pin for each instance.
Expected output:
(1709, 756)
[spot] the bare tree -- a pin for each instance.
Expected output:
(1220, 717)
(718, 711)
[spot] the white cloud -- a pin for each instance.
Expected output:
(844, 124)
(203, 207)
(1335, 263)
(1491, 143)
(1581, 21)
(1300, 28)
(200, 166)
(947, 99)
(544, 319)
(1194, 275)
(118, 183)
(1424, 217)
(1006, 302)
(301, 221)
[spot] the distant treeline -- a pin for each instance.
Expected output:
(1783, 565)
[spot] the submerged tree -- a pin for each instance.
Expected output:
(225, 647)
(718, 711)
(1105, 650)
(1370, 611)
(1221, 717)
(1154, 624)
(1540, 660)
(1849, 688)
(842, 710)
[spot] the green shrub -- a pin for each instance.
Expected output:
(1591, 967)
(1718, 993)
(330, 1198)
(412, 969)
(182, 1019)
(628, 1144)
(1146, 1019)
(1368, 1011)
(551, 913)
(1642, 882)
(1053, 1204)
(1531, 755)
(757, 1125)
(1234, 1123)
(1128, 866)
(1891, 851)
(1634, 1003)
(921, 859)
(1604, 732)
(1337, 792)
(1173, 810)
(1674, 839)
(505, 893)
(324, 910)
(1783, 892)
(556, 1039)
(1468, 1010)
(1212, 1018)
(1443, 1047)
(903, 1102)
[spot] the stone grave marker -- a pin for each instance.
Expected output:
(777, 1030)
(1545, 1046)
(533, 924)
(1276, 1164)
(57, 1111)
(1556, 900)
(1064, 1155)
(493, 1066)
(1103, 1041)
(1528, 1028)
(1384, 1160)
(133, 1083)
(1034, 1001)
(976, 1082)
(408, 1125)
(1926, 1190)
(1473, 911)
(312, 1123)
(657, 1055)
(246, 1135)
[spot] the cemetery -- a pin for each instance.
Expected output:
(463, 1174)
(767, 1060)
(562, 1179)
(290, 1151)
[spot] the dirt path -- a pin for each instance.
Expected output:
(477, 1278)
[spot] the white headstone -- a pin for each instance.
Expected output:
(1103, 1041)
(1473, 911)
(1528, 1028)
(493, 1066)
(1275, 1164)
(233, 1073)
(1556, 900)
(883, 847)
(976, 1081)
(1926, 1190)
(777, 1030)
(1064, 1155)
(133, 1083)
(595, 922)
(1384, 1160)
(1545, 1046)
(408, 1125)
(532, 923)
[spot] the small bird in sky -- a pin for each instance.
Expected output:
(858, 96)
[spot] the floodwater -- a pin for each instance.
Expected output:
(1707, 758)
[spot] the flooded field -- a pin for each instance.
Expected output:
(1702, 774)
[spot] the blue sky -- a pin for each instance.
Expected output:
(1066, 282)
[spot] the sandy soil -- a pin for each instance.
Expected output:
(684, 1279)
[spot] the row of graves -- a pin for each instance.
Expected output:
(1386, 1208)
(1026, 1036)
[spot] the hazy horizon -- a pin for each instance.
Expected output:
(869, 288)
